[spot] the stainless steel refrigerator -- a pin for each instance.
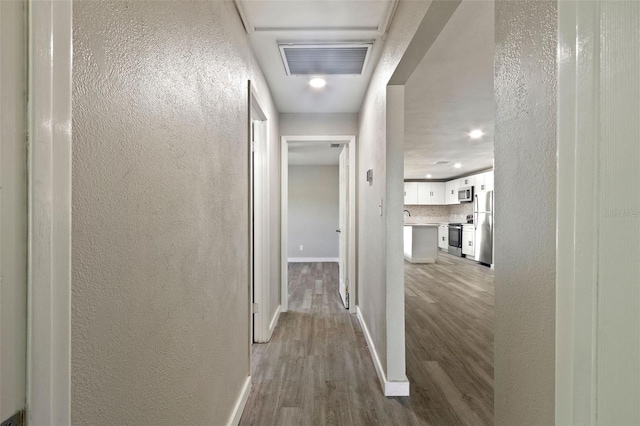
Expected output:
(483, 224)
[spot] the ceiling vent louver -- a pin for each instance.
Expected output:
(442, 162)
(325, 59)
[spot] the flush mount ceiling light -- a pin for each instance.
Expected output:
(457, 165)
(317, 83)
(428, 176)
(476, 134)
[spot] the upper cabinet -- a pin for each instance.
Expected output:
(488, 181)
(468, 181)
(479, 183)
(439, 193)
(431, 193)
(410, 193)
(451, 192)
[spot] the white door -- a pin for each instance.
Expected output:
(343, 230)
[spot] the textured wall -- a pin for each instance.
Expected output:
(13, 208)
(372, 147)
(160, 285)
(318, 124)
(314, 206)
(525, 178)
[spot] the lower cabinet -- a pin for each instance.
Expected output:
(468, 248)
(443, 237)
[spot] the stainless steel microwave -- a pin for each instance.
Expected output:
(465, 194)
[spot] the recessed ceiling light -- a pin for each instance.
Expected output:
(476, 134)
(457, 165)
(428, 176)
(317, 83)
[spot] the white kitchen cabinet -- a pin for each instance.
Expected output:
(468, 181)
(437, 193)
(431, 193)
(468, 248)
(451, 192)
(488, 181)
(424, 193)
(479, 184)
(410, 193)
(443, 237)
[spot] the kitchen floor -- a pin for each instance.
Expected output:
(449, 329)
(317, 368)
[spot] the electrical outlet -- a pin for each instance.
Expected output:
(301, 247)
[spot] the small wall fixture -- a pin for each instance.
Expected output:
(370, 176)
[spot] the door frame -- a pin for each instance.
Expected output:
(350, 142)
(49, 213)
(261, 326)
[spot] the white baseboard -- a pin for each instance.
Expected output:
(423, 260)
(312, 259)
(274, 321)
(388, 388)
(236, 414)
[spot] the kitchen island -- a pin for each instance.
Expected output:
(421, 242)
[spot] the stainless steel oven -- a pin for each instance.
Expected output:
(455, 239)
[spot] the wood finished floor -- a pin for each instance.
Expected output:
(317, 369)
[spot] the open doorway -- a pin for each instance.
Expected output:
(318, 208)
(446, 120)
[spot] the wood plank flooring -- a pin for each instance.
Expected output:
(317, 369)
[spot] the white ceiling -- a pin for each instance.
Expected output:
(269, 22)
(314, 154)
(451, 93)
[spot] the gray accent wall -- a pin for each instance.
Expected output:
(313, 213)
(525, 211)
(160, 295)
(372, 154)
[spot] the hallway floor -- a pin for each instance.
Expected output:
(317, 368)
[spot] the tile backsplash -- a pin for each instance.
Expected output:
(459, 212)
(434, 214)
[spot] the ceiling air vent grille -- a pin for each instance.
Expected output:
(326, 59)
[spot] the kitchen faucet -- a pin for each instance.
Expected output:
(408, 212)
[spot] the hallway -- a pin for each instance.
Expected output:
(317, 368)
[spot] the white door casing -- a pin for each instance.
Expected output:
(49, 269)
(263, 325)
(343, 231)
(598, 214)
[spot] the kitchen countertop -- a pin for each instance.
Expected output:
(421, 224)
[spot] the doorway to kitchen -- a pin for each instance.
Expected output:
(445, 108)
(309, 164)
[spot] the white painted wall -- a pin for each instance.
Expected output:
(160, 211)
(13, 208)
(525, 178)
(373, 145)
(318, 124)
(598, 271)
(313, 214)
